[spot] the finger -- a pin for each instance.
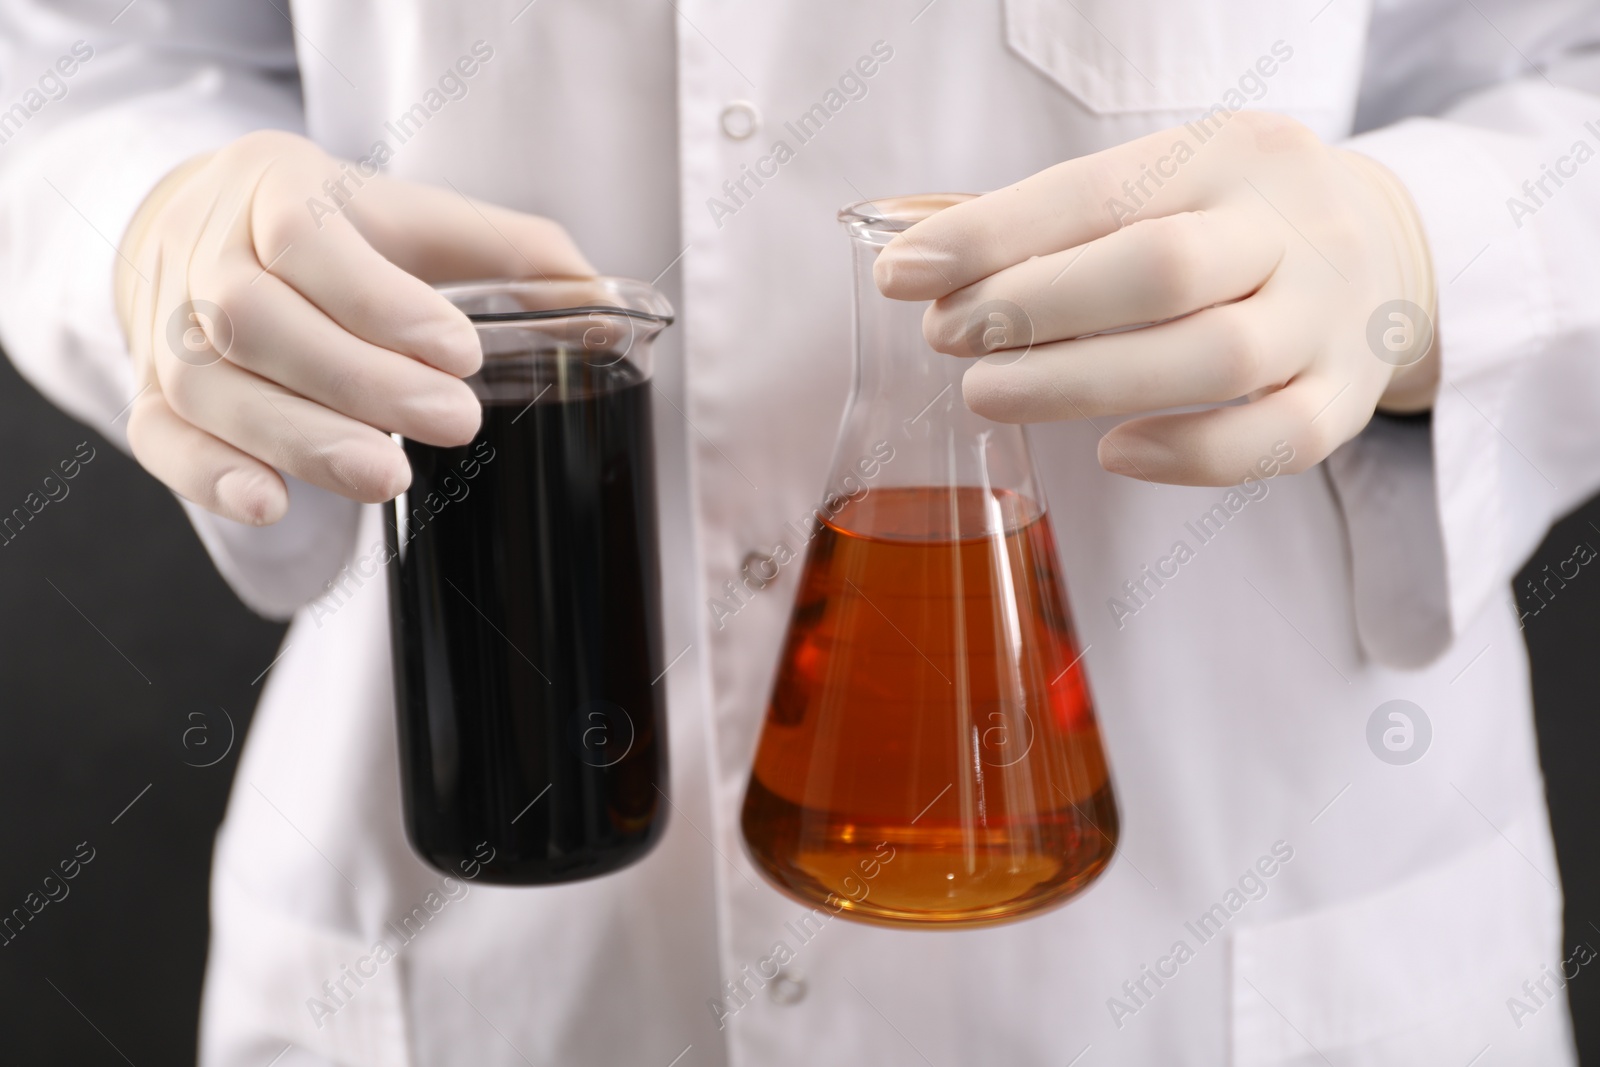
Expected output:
(286, 431)
(202, 469)
(441, 235)
(272, 331)
(176, 227)
(1148, 272)
(1287, 431)
(193, 464)
(257, 416)
(1212, 356)
(326, 260)
(1067, 205)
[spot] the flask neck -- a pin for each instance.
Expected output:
(894, 366)
(907, 404)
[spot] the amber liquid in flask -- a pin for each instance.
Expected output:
(930, 755)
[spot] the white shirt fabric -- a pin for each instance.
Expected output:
(1418, 905)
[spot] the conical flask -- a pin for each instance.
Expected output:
(930, 755)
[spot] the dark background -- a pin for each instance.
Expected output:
(127, 672)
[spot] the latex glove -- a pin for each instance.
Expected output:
(1270, 253)
(271, 335)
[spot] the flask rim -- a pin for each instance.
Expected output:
(881, 219)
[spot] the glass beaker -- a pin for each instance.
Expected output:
(930, 754)
(525, 596)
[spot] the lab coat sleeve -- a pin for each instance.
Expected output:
(1441, 516)
(94, 109)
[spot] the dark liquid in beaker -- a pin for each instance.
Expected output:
(526, 624)
(930, 755)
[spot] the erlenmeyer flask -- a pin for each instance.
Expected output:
(930, 754)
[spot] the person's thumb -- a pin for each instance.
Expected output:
(440, 235)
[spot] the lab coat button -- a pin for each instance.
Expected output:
(787, 988)
(740, 120)
(758, 569)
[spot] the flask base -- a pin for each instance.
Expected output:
(932, 875)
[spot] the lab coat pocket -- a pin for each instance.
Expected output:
(1427, 971)
(274, 980)
(1119, 56)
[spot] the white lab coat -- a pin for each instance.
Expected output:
(1419, 903)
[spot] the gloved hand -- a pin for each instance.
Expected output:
(1259, 264)
(280, 322)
